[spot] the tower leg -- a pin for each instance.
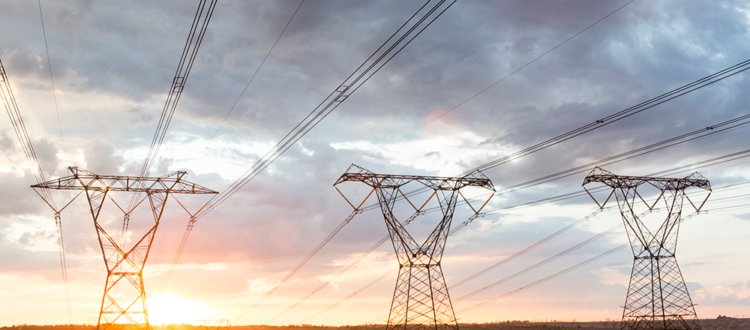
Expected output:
(124, 303)
(657, 297)
(421, 300)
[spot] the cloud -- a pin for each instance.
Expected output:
(113, 64)
(101, 157)
(737, 294)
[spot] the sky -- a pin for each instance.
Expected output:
(470, 89)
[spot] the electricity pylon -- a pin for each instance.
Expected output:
(215, 324)
(657, 297)
(124, 266)
(421, 298)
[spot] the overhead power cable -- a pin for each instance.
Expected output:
(694, 166)
(686, 89)
(555, 275)
(567, 270)
(545, 53)
(558, 233)
(412, 28)
(343, 270)
(258, 69)
(189, 54)
(16, 120)
(643, 106)
(539, 264)
(52, 79)
(684, 138)
(550, 259)
(658, 146)
(513, 73)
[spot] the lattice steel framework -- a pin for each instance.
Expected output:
(124, 266)
(657, 297)
(420, 299)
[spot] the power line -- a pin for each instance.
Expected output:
(258, 69)
(555, 275)
(643, 106)
(512, 73)
(411, 29)
(19, 127)
(261, 164)
(189, 53)
(52, 79)
(702, 133)
(694, 166)
(567, 270)
(384, 54)
(684, 138)
(539, 264)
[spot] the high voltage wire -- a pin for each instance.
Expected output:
(541, 263)
(58, 221)
(569, 269)
(258, 69)
(643, 106)
(587, 128)
(688, 137)
(384, 54)
(52, 79)
(184, 239)
(705, 163)
(527, 249)
(189, 53)
(555, 275)
(686, 89)
(411, 29)
(453, 231)
(513, 73)
(658, 146)
(14, 114)
(342, 271)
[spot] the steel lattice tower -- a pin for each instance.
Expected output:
(124, 266)
(420, 299)
(657, 297)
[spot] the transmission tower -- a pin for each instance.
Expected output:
(124, 266)
(420, 299)
(657, 297)
(215, 324)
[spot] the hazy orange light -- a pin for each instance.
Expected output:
(169, 308)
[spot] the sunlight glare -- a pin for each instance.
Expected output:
(169, 308)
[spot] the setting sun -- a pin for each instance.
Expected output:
(169, 308)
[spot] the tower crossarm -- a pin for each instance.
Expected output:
(359, 174)
(81, 179)
(664, 184)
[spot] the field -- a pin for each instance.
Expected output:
(721, 323)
